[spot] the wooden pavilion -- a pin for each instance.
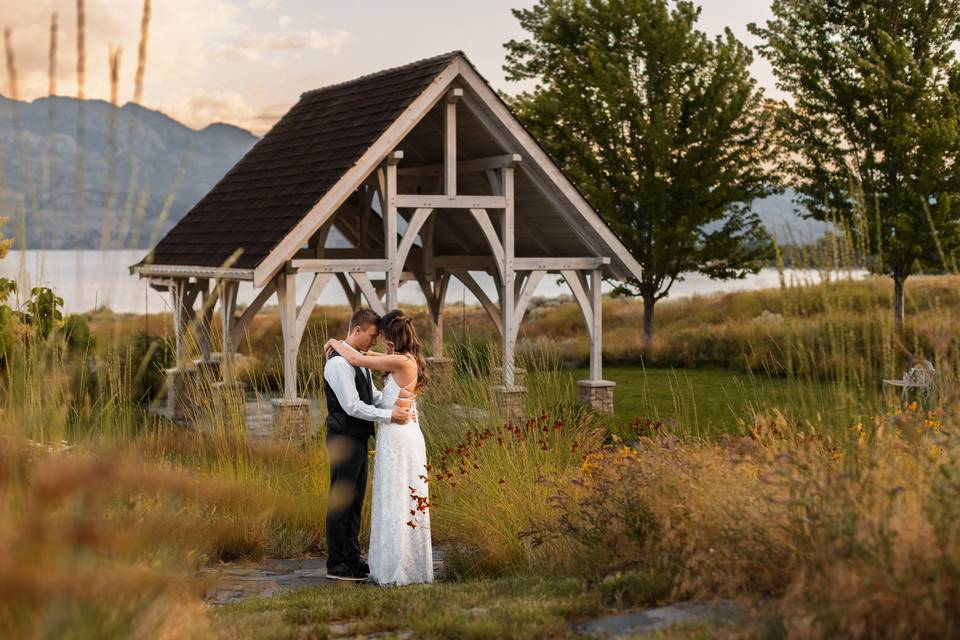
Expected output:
(428, 175)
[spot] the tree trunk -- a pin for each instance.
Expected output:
(898, 282)
(648, 301)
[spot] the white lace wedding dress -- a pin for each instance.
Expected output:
(400, 547)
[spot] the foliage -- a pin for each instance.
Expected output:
(147, 355)
(662, 128)
(871, 134)
(76, 333)
(43, 311)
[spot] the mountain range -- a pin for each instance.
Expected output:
(139, 171)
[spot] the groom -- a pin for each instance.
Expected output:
(353, 403)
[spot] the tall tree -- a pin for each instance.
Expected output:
(871, 134)
(662, 128)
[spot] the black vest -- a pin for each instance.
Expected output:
(337, 419)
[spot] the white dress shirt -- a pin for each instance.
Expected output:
(341, 376)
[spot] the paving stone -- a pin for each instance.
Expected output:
(640, 622)
(274, 575)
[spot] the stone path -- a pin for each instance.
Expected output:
(236, 582)
(650, 620)
(239, 581)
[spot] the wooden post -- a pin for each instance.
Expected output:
(507, 308)
(228, 307)
(207, 300)
(286, 293)
(450, 143)
(596, 334)
(177, 294)
(390, 230)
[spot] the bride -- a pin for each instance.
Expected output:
(400, 547)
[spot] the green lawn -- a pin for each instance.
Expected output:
(517, 608)
(710, 400)
(490, 608)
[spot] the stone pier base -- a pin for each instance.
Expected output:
(441, 377)
(208, 371)
(597, 394)
(177, 402)
(291, 421)
(519, 377)
(182, 392)
(511, 402)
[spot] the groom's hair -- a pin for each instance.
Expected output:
(363, 318)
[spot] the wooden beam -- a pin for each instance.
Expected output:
(287, 294)
(596, 332)
(480, 215)
(559, 264)
(416, 201)
(507, 274)
(390, 234)
(335, 265)
(205, 322)
(228, 307)
(352, 292)
(317, 286)
(413, 228)
(523, 223)
(369, 292)
(450, 142)
(583, 299)
(239, 328)
(476, 165)
(177, 291)
(488, 305)
(523, 301)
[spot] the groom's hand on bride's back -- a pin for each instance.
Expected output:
(401, 415)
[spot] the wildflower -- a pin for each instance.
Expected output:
(913, 406)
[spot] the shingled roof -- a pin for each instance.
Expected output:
(258, 202)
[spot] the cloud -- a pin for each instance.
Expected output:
(177, 55)
(206, 60)
(202, 107)
(250, 48)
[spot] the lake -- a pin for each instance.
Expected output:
(89, 279)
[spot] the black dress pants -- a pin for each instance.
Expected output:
(348, 486)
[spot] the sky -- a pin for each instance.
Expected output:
(247, 61)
